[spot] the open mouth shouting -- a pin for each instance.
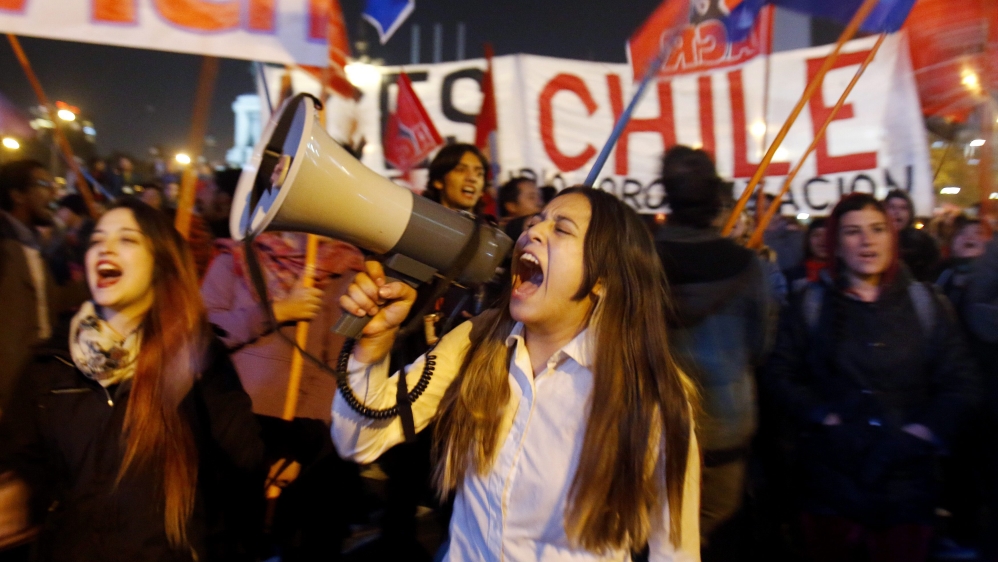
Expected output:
(528, 275)
(469, 191)
(108, 273)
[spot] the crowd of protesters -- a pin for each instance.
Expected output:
(835, 391)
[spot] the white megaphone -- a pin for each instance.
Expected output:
(321, 189)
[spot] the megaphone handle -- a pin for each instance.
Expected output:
(350, 326)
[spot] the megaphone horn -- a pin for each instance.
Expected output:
(320, 188)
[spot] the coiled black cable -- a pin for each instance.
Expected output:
(385, 413)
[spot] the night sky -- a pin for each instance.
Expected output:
(138, 98)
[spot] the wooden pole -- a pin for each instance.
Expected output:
(301, 333)
(986, 180)
(60, 137)
(848, 33)
(756, 240)
(199, 124)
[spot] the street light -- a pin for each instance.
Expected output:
(11, 143)
(183, 158)
(362, 75)
(66, 115)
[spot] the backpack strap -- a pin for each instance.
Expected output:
(924, 301)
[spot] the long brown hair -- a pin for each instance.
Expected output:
(624, 474)
(157, 438)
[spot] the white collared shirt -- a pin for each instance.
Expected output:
(516, 511)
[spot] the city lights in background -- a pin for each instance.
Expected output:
(977, 142)
(361, 74)
(11, 143)
(971, 80)
(66, 115)
(949, 191)
(182, 158)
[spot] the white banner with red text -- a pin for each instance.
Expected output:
(285, 31)
(555, 115)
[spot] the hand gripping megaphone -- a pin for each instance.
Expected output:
(320, 188)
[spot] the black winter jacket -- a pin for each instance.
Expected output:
(63, 435)
(723, 326)
(871, 364)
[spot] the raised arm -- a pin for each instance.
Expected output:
(363, 439)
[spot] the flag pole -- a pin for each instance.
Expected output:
(301, 333)
(199, 125)
(625, 117)
(311, 253)
(60, 137)
(848, 33)
(986, 182)
(756, 240)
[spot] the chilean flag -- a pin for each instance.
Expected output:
(410, 135)
(388, 15)
(888, 16)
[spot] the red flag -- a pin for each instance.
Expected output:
(410, 136)
(949, 40)
(339, 49)
(700, 38)
(486, 125)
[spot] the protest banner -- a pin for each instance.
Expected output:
(289, 31)
(555, 113)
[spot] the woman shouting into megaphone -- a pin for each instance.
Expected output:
(564, 428)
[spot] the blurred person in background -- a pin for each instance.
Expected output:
(518, 199)
(723, 326)
(310, 518)
(980, 312)
(126, 431)
(457, 178)
(784, 236)
(872, 367)
(815, 257)
(967, 243)
(963, 468)
(65, 255)
(919, 251)
(547, 193)
(31, 298)
(152, 194)
(217, 212)
(122, 179)
(98, 170)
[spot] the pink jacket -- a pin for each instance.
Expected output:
(262, 358)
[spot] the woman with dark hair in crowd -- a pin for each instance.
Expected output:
(815, 256)
(563, 425)
(125, 437)
(872, 366)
